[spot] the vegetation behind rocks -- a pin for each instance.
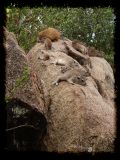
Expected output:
(95, 26)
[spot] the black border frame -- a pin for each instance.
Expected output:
(71, 3)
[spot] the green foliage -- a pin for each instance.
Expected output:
(95, 26)
(23, 79)
(7, 99)
(20, 82)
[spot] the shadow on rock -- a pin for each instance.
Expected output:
(25, 126)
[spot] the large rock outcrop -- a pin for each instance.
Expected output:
(79, 118)
(21, 83)
(26, 108)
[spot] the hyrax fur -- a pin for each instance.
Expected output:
(48, 44)
(72, 76)
(92, 52)
(79, 46)
(51, 33)
(59, 61)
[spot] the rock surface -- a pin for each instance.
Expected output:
(80, 118)
(21, 82)
(26, 109)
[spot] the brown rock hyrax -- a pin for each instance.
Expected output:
(72, 76)
(47, 36)
(51, 33)
(79, 46)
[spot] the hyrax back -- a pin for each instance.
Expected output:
(51, 33)
(79, 46)
(72, 76)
